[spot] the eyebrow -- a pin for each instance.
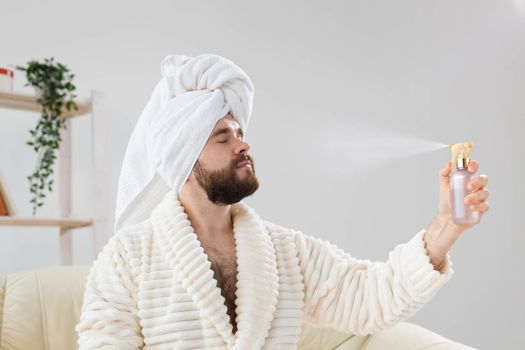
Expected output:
(225, 131)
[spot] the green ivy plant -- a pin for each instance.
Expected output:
(55, 83)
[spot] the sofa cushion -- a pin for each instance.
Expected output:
(41, 308)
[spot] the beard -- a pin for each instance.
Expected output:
(225, 186)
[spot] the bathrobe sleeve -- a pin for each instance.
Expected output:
(360, 296)
(108, 317)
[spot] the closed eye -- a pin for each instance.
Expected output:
(228, 131)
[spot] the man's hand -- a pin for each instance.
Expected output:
(442, 233)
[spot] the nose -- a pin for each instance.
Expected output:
(242, 147)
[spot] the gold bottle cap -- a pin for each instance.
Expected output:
(461, 153)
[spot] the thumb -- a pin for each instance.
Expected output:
(444, 175)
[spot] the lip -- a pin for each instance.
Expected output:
(244, 163)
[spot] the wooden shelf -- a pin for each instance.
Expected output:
(36, 221)
(100, 220)
(26, 102)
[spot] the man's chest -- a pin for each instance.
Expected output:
(224, 266)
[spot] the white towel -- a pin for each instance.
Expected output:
(193, 94)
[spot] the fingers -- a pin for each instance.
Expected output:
(473, 166)
(477, 197)
(477, 182)
(482, 207)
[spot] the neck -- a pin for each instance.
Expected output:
(211, 221)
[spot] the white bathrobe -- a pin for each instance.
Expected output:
(152, 286)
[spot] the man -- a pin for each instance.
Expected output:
(193, 267)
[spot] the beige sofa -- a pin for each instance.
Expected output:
(40, 308)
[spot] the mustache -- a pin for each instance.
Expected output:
(243, 158)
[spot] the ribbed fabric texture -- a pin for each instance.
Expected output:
(360, 296)
(152, 287)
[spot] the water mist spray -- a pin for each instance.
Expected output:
(459, 178)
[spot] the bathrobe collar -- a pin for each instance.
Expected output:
(257, 274)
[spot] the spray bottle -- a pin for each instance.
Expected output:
(459, 178)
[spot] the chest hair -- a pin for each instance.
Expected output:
(224, 266)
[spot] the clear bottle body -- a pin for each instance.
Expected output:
(461, 212)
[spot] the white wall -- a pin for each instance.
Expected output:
(446, 71)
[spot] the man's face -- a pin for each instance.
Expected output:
(217, 170)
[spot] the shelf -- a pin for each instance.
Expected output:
(100, 219)
(54, 222)
(25, 102)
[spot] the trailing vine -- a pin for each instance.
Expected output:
(55, 83)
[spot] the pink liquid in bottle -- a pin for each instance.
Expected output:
(461, 212)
